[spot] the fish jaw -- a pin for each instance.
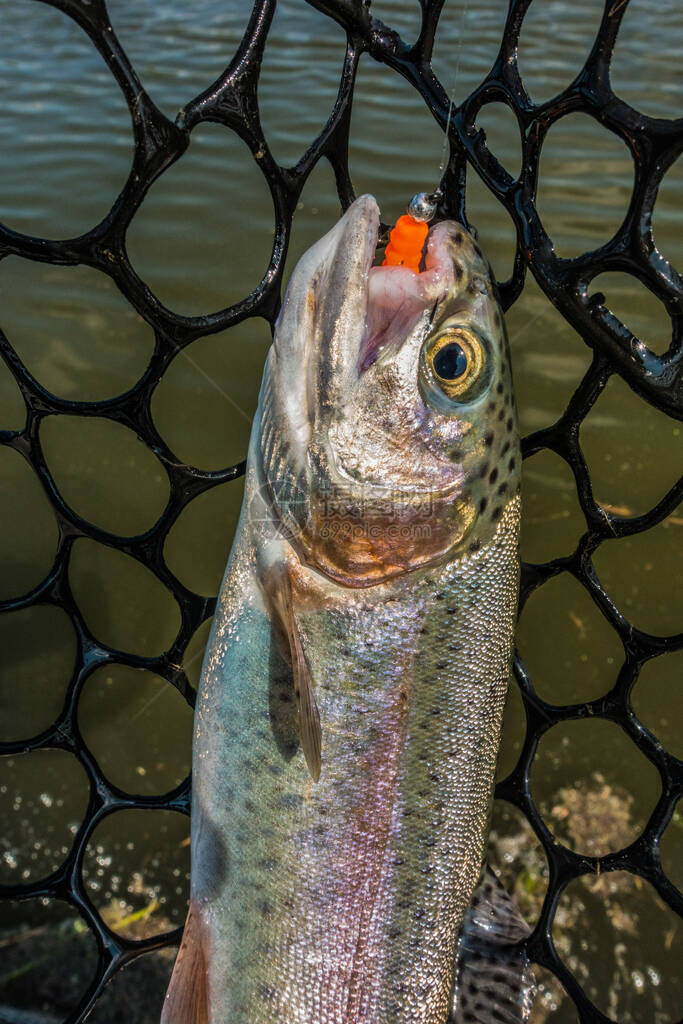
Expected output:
(319, 329)
(340, 312)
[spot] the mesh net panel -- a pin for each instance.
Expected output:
(657, 378)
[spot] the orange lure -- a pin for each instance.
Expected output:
(406, 240)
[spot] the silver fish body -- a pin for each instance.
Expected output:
(379, 530)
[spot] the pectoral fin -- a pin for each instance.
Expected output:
(277, 582)
(494, 983)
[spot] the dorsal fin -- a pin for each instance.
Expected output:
(187, 999)
(494, 983)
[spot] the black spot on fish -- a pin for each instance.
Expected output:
(496, 318)
(493, 476)
(475, 545)
(482, 504)
(488, 439)
(500, 388)
(512, 463)
(290, 800)
(458, 270)
(281, 705)
(509, 425)
(457, 238)
(501, 415)
(502, 489)
(214, 854)
(268, 864)
(496, 514)
(484, 470)
(505, 448)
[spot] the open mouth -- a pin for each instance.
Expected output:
(398, 297)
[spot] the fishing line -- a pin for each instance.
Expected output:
(465, 10)
(423, 206)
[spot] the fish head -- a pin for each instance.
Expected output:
(388, 437)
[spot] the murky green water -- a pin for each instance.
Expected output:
(202, 240)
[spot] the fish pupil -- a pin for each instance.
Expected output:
(450, 362)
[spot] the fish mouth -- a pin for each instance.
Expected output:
(366, 313)
(351, 312)
(393, 300)
(398, 297)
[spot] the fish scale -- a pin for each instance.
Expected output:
(412, 719)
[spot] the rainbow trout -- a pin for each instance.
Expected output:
(349, 713)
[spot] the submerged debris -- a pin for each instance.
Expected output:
(45, 968)
(592, 817)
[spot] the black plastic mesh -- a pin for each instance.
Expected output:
(232, 101)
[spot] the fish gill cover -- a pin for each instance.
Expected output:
(232, 101)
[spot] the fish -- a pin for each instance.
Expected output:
(349, 712)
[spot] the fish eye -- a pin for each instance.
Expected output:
(450, 362)
(456, 362)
